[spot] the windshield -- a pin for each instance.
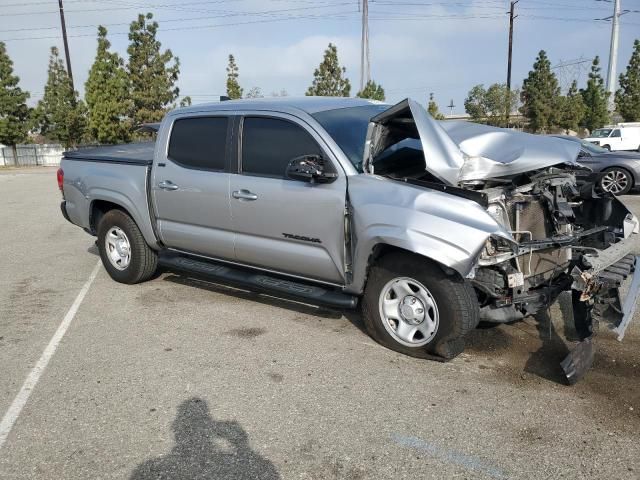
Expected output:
(592, 148)
(348, 127)
(601, 133)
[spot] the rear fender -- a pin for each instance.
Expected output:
(139, 213)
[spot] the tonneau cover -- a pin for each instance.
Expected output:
(130, 153)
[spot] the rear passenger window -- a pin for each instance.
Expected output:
(269, 144)
(199, 142)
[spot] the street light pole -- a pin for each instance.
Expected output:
(613, 54)
(511, 17)
(365, 72)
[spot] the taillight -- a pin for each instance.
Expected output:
(60, 175)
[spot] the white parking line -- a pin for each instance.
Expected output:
(29, 384)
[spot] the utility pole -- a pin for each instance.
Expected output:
(365, 73)
(511, 18)
(66, 43)
(613, 54)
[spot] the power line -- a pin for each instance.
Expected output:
(259, 13)
(195, 27)
(121, 5)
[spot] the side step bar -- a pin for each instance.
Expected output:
(255, 280)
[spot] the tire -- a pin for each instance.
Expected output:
(616, 180)
(454, 312)
(124, 236)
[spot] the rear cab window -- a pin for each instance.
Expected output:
(199, 143)
(269, 144)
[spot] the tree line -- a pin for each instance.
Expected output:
(329, 80)
(545, 109)
(118, 95)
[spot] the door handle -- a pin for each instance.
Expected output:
(168, 185)
(244, 195)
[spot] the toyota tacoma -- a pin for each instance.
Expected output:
(429, 227)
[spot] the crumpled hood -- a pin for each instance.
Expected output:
(496, 152)
(456, 151)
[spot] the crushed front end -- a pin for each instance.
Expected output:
(566, 236)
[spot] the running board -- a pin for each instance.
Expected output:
(255, 280)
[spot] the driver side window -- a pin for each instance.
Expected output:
(616, 133)
(269, 144)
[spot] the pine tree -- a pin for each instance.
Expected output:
(432, 108)
(153, 73)
(234, 90)
(60, 115)
(595, 97)
(571, 109)
(540, 93)
(372, 90)
(14, 112)
(328, 78)
(107, 95)
(628, 96)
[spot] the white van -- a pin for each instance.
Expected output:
(623, 136)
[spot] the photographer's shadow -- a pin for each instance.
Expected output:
(206, 449)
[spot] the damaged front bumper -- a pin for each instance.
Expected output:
(596, 298)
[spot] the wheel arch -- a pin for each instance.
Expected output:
(447, 264)
(100, 206)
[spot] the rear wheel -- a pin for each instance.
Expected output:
(411, 306)
(617, 181)
(124, 252)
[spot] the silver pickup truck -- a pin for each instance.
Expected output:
(431, 227)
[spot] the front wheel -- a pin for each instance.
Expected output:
(411, 306)
(124, 252)
(617, 181)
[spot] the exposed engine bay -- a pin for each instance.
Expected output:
(561, 233)
(568, 237)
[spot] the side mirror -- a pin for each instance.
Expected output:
(309, 168)
(583, 154)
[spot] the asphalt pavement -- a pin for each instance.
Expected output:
(177, 378)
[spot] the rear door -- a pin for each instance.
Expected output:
(190, 187)
(286, 225)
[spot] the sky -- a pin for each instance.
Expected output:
(417, 46)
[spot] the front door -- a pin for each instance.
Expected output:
(190, 188)
(281, 224)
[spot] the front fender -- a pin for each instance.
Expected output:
(447, 229)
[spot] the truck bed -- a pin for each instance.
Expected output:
(115, 174)
(131, 153)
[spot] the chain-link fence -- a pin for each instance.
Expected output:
(31, 155)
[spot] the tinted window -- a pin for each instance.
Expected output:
(348, 127)
(199, 142)
(269, 144)
(616, 133)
